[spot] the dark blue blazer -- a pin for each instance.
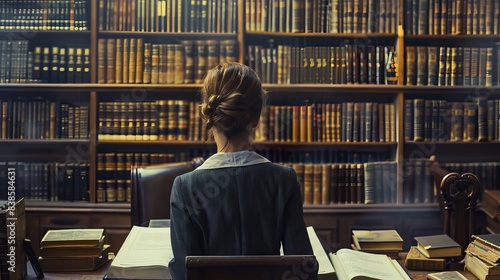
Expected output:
(239, 210)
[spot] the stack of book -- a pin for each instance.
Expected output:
(144, 254)
(491, 206)
(73, 250)
(483, 256)
(432, 252)
(387, 242)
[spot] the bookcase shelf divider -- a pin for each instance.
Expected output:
(93, 147)
(288, 94)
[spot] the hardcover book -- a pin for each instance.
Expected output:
(416, 260)
(74, 251)
(481, 269)
(145, 254)
(378, 239)
(72, 237)
(77, 263)
(491, 202)
(389, 253)
(438, 246)
(446, 275)
(356, 265)
(492, 240)
(486, 247)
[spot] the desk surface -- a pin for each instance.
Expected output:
(82, 275)
(99, 273)
(420, 274)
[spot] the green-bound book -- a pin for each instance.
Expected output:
(72, 237)
(438, 246)
(159, 223)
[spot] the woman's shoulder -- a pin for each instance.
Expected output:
(266, 167)
(276, 168)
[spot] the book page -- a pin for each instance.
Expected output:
(356, 263)
(339, 270)
(145, 247)
(377, 235)
(401, 270)
(73, 234)
(325, 266)
(446, 275)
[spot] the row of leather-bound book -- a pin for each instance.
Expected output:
(45, 15)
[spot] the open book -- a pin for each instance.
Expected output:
(356, 265)
(145, 254)
(325, 267)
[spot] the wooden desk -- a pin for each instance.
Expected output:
(82, 275)
(99, 273)
(420, 274)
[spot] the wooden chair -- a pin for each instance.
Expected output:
(151, 187)
(251, 267)
(457, 198)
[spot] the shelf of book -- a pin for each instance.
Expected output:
(319, 144)
(81, 206)
(323, 35)
(347, 145)
(156, 143)
(44, 142)
(373, 208)
(273, 89)
(371, 47)
(175, 35)
(31, 33)
(483, 144)
(453, 38)
(31, 88)
(76, 206)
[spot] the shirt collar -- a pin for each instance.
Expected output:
(233, 159)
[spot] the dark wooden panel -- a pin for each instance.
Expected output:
(116, 228)
(326, 228)
(334, 226)
(420, 224)
(115, 237)
(349, 222)
(116, 224)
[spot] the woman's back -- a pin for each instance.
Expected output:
(243, 208)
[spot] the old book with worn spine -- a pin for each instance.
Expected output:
(491, 202)
(388, 240)
(416, 260)
(72, 237)
(76, 263)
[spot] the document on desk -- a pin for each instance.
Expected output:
(145, 254)
(325, 267)
(353, 265)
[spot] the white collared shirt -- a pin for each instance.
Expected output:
(233, 159)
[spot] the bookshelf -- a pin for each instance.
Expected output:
(351, 54)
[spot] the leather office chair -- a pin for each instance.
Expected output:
(457, 196)
(251, 267)
(151, 187)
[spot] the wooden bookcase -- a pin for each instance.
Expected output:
(333, 221)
